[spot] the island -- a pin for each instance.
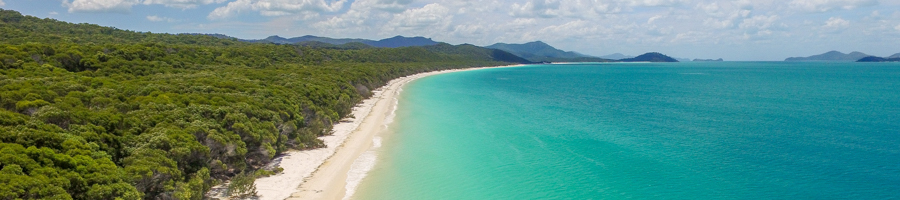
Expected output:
(879, 59)
(650, 57)
(831, 56)
(708, 60)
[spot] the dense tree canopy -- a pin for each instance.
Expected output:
(92, 112)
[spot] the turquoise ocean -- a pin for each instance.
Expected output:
(693, 130)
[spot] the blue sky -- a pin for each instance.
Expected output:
(733, 30)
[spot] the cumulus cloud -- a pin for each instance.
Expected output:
(537, 8)
(577, 8)
(829, 5)
(393, 6)
(1, 3)
(576, 28)
(121, 6)
(725, 15)
(154, 18)
(759, 22)
(654, 3)
(836, 23)
(276, 7)
(360, 16)
(897, 27)
(430, 16)
(183, 4)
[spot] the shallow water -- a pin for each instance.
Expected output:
(695, 130)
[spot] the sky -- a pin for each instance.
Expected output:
(733, 30)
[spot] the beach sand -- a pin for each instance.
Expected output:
(322, 173)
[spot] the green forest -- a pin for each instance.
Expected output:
(94, 112)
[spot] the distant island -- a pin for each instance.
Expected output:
(831, 56)
(616, 56)
(538, 51)
(894, 58)
(650, 57)
(708, 60)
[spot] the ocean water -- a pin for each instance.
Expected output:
(695, 130)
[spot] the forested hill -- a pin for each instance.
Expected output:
(394, 42)
(92, 112)
(538, 51)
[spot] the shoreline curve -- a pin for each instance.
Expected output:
(322, 173)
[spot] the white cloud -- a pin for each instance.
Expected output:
(653, 3)
(276, 7)
(829, 5)
(577, 8)
(576, 28)
(432, 17)
(120, 6)
(757, 26)
(183, 4)
(725, 15)
(230, 10)
(897, 27)
(536, 8)
(155, 18)
(836, 23)
(654, 18)
(1, 3)
(361, 15)
(393, 6)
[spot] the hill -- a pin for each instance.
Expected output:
(542, 52)
(94, 112)
(879, 59)
(394, 42)
(831, 56)
(616, 56)
(896, 55)
(400, 41)
(708, 60)
(280, 40)
(650, 57)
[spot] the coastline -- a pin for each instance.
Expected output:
(322, 173)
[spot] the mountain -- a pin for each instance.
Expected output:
(280, 40)
(683, 59)
(345, 46)
(471, 51)
(538, 51)
(400, 41)
(879, 59)
(896, 55)
(616, 56)
(216, 35)
(707, 60)
(831, 55)
(650, 57)
(394, 42)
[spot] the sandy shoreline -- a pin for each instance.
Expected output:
(322, 173)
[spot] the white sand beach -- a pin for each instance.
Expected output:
(322, 173)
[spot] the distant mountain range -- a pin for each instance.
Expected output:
(394, 42)
(708, 60)
(896, 55)
(831, 56)
(532, 52)
(616, 56)
(538, 51)
(879, 59)
(650, 57)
